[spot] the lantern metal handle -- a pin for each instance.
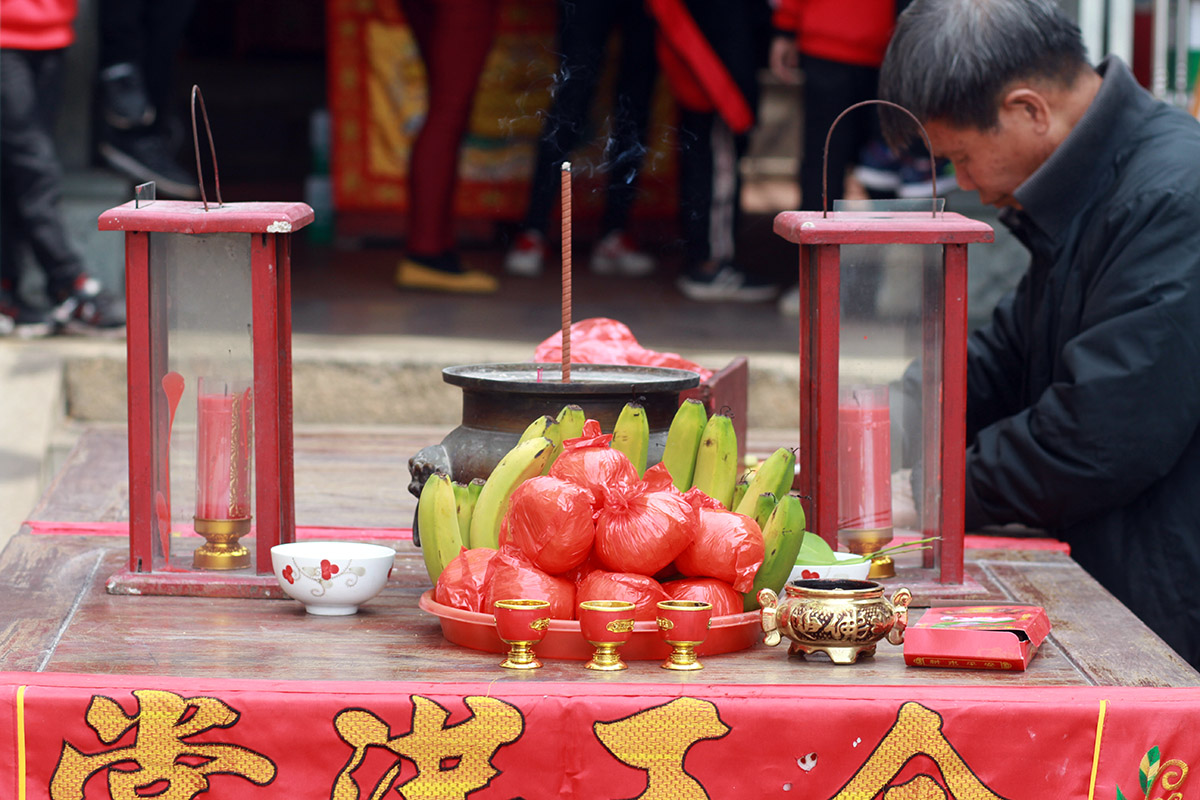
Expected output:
(196, 95)
(829, 135)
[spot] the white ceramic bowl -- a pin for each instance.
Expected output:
(332, 578)
(830, 571)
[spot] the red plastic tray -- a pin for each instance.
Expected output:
(563, 640)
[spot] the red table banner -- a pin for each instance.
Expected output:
(67, 737)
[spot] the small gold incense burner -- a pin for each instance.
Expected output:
(844, 619)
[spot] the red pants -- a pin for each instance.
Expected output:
(454, 37)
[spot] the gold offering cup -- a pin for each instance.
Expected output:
(842, 618)
(606, 625)
(683, 624)
(521, 624)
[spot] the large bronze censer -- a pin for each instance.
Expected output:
(842, 618)
(500, 400)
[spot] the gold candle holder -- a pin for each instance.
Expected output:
(606, 625)
(221, 549)
(864, 542)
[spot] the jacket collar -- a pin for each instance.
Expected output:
(1081, 168)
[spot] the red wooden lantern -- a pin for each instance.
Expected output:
(856, 344)
(210, 407)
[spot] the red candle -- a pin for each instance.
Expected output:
(864, 459)
(223, 454)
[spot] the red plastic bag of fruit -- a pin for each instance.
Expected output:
(591, 462)
(642, 531)
(550, 521)
(641, 590)
(658, 478)
(511, 577)
(724, 598)
(600, 340)
(461, 583)
(699, 499)
(727, 546)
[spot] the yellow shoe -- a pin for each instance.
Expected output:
(412, 275)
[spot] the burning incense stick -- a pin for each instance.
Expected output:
(566, 272)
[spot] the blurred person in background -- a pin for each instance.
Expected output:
(138, 132)
(711, 51)
(454, 38)
(34, 35)
(584, 29)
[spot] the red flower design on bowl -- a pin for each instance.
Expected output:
(328, 570)
(289, 574)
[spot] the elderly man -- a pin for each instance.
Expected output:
(1083, 412)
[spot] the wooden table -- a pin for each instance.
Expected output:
(58, 620)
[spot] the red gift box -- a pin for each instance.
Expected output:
(976, 637)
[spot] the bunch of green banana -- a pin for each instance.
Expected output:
(782, 536)
(570, 422)
(631, 435)
(760, 512)
(548, 427)
(437, 519)
(739, 489)
(524, 461)
(716, 460)
(683, 442)
(774, 474)
(466, 495)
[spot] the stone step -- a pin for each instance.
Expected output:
(398, 380)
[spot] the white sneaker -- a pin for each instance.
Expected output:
(615, 254)
(527, 255)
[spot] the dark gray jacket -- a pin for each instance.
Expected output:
(1083, 411)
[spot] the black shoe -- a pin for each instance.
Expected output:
(23, 322)
(143, 156)
(123, 97)
(724, 283)
(90, 309)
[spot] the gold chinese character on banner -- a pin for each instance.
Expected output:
(160, 762)
(657, 739)
(917, 731)
(451, 760)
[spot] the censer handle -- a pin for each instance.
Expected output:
(769, 601)
(900, 601)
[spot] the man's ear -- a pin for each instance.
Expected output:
(1026, 105)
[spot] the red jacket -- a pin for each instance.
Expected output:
(848, 31)
(38, 24)
(697, 76)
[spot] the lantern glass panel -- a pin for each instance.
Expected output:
(889, 362)
(202, 290)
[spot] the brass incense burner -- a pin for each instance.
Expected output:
(844, 619)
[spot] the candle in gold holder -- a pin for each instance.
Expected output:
(683, 624)
(521, 624)
(865, 473)
(224, 433)
(606, 625)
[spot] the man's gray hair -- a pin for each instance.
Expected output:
(951, 60)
